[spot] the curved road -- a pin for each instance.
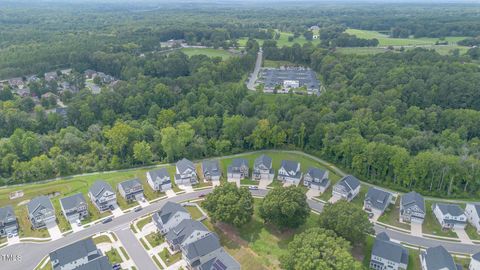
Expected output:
(32, 253)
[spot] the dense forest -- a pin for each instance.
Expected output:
(406, 120)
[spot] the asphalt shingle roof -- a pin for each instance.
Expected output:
(100, 263)
(413, 198)
(99, 187)
(73, 252)
(379, 199)
(72, 201)
(168, 210)
(183, 230)
(159, 175)
(221, 261)
(452, 209)
(6, 213)
(40, 201)
(202, 246)
(384, 248)
(350, 182)
(130, 184)
(236, 164)
(185, 164)
(211, 167)
(263, 160)
(439, 258)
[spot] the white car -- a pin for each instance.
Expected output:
(253, 187)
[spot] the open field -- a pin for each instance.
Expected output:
(441, 49)
(385, 40)
(208, 52)
(282, 40)
(276, 64)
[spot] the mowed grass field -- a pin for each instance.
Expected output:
(80, 184)
(282, 40)
(210, 52)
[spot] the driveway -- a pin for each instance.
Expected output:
(143, 202)
(264, 183)
(53, 230)
(463, 236)
(133, 247)
(188, 189)
(170, 193)
(416, 229)
(334, 199)
(75, 226)
(117, 211)
(313, 193)
(13, 240)
(236, 181)
(215, 183)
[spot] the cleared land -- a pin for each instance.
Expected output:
(282, 40)
(208, 52)
(385, 40)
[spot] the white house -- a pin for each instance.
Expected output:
(450, 215)
(289, 172)
(238, 170)
(347, 188)
(412, 208)
(102, 196)
(76, 256)
(159, 180)
(475, 262)
(186, 174)
(387, 254)
(169, 216)
(472, 211)
(262, 168)
(377, 201)
(316, 178)
(438, 258)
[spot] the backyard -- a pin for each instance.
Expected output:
(210, 52)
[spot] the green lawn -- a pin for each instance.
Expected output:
(25, 225)
(101, 239)
(392, 216)
(414, 259)
(144, 221)
(472, 232)
(62, 222)
(155, 239)
(249, 182)
(113, 256)
(93, 213)
(210, 52)
(122, 249)
(358, 200)
(169, 259)
(159, 265)
(283, 40)
(276, 64)
(194, 212)
(431, 225)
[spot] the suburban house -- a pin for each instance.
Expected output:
(75, 255)
(131, 190)
(289, 172)
(40, 212)
(347, 188)
(187, 231)
(450, 215)
(51, 76)
(16, 83)
(262, 168)
(238, 170)
(220, 260)
(472, 211)
(102, 196)
(186, 173)
(316, 178)
(169, 216)
(74, 207)
(198, 252)
(387, 254)
(412, 208)
(90, 74)
(438, 258)
(100, 263)
(475, 262)
(377, 201)
(159, 179)
(211, 170)
(8, 221)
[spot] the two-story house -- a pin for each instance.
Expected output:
(316, 178)
(347, 188)
(159, 179)
(377, 201)
(412, 208)
(75, 255)
(220, 260)
(40, 212)
(8, 221)
(211, 170)
(289, 172)
(450, 216)
(186, 232)
(438, 258)
(102, 196)
(472, 211)
(387, 255)
(74, 207)
(198, 252)
(474, 262)
(131, 190)
(169, 216)
(186, 173)
(262, 168)
(238, 170)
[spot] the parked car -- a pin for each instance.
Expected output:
(253, 187)
(107, 220)
(138, 208)
(116, 266)
(202, 195)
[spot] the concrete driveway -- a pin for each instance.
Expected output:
(117, 211)
(170, 193)
(187, 188)
(143, 202)
(75, 226)
(313, 193)
(264, 183)
(463, 236)
(53, 230)
(334, 199)
(416, 229)
(215, 183)
(236, 181)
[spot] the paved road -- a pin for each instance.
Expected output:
(256, 70)
(138, 254)
(32, 253)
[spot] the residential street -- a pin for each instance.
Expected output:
(256, 70)
(134, 248)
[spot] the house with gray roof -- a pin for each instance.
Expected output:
(438, 258)
(475, 262)
(211, 170)
(159, 179)
(51, 76)
(74, 255)
(40, 212)
(201, 251)
(169, 216)
(316, 178)
(221, 261)
(131, 190)
(74, 207)
(450, 216)
(347, 188)
(289, 172)
(100, 263)
(8, 221)
(262, 168)
(377, 201)
(472, 211)
(387, 254)
(186, 232)
(412, 208)
(238, 170)
(102, 196)
(186, 173)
